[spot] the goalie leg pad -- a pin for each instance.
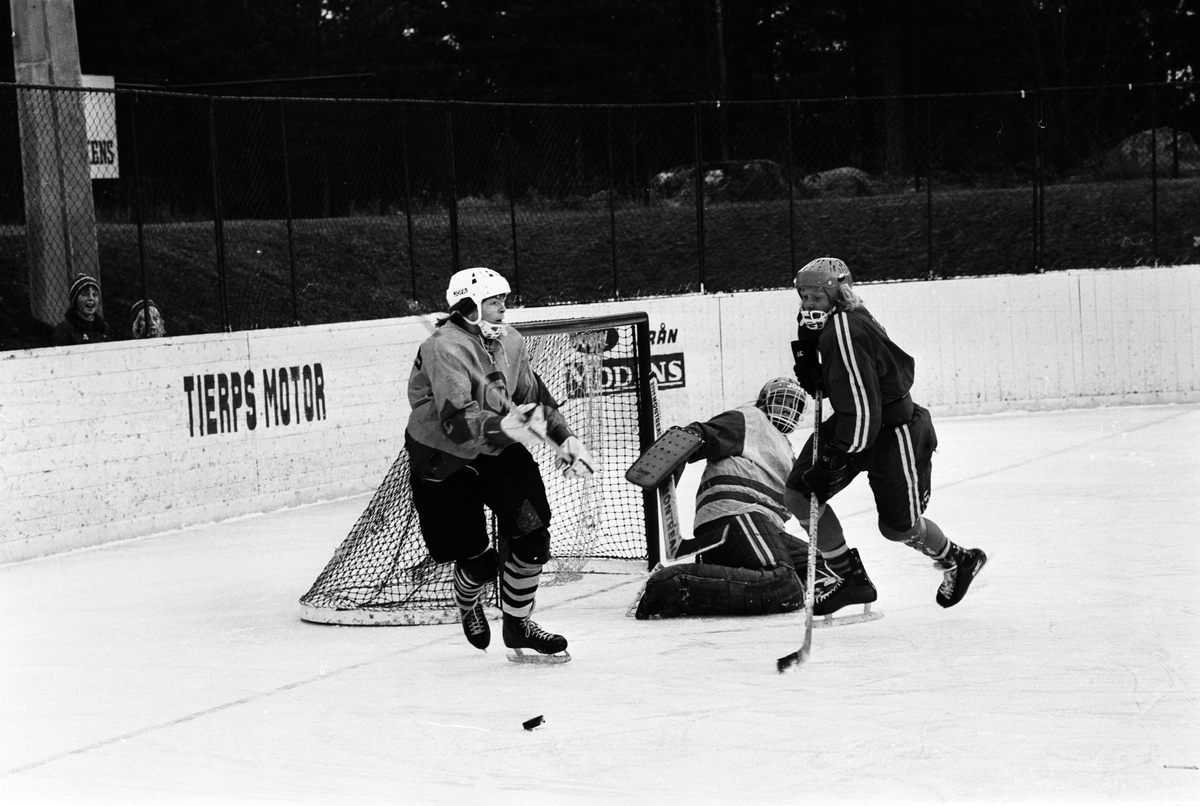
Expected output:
(693, 589)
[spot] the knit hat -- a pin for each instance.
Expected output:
(82, 281)
(143, 326)
(136, 308)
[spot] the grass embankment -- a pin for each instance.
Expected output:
(367, 268)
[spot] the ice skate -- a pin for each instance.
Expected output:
(833, 592)
(522, 634)
(475, 626)
(967, 563)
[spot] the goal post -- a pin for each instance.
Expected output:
(599, 370)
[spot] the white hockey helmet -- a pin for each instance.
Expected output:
(782, 400)
(477, 284)
(828, 273)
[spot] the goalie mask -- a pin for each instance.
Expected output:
(831, 275)
(782, 400)
(477, 284)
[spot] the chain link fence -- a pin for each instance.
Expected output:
(240, 213)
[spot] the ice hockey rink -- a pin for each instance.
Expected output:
(175, 668)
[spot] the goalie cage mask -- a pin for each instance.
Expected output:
(782, 400)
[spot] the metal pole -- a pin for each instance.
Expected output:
(928, 192)
(218, 217)
(699, 146)
(612, 212)
(408, 201)
(1037, 153)
(791, 180)
(453, 201)
(1154, 175)
(512, 205)
(287, 197)
(137, 211)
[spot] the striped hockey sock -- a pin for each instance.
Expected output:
(519, 587)
(466, 590)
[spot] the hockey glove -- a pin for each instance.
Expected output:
(828, 476)
(575, 460)
(808, 366)
(525, 424)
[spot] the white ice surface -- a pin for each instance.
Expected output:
(174, 669)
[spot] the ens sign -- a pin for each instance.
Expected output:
(100, 117)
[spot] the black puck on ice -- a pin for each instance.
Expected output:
(530, 724)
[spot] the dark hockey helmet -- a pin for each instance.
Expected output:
(830, 274)
(782, 400)
(824, 272)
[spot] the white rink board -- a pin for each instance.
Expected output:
(103, 442)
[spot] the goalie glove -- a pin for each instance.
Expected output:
(525, 424)
(575, 460)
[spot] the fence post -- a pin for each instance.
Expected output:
(699, 146)
(791, 179)
(1154, 175)
(1037, 180)
(287, 200)
(453, 208)
(408, 201)
(512, 205)
(137, 210)
(612, 212)
(218, 216)
(929, 190)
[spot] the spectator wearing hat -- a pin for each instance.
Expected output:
(82, 323)
(141, 312)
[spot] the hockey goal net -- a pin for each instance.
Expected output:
(599, 371)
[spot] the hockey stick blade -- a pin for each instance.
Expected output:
(794, 659)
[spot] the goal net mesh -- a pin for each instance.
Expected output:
(382, 572)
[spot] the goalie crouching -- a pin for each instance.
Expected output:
(746, 564)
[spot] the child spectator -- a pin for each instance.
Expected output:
(138, 313)
(82, 323)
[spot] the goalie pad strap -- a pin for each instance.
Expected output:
(659, 461)
(692, 589)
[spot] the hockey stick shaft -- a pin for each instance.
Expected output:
(814, 514)
(814, 511)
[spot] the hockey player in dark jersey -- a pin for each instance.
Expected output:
(476, 406)
(875, 428)
(747, 563)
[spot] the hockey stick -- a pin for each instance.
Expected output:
(801, 654)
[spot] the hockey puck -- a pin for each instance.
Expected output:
(530, 724)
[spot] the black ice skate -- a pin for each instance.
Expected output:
(833, 592)
(958, 576)
(475, 626)
(522, 634)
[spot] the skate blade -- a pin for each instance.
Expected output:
(532, 656)
(831, 620)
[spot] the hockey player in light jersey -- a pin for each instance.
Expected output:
(875, 428)
(747, 563)
(476, 406)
